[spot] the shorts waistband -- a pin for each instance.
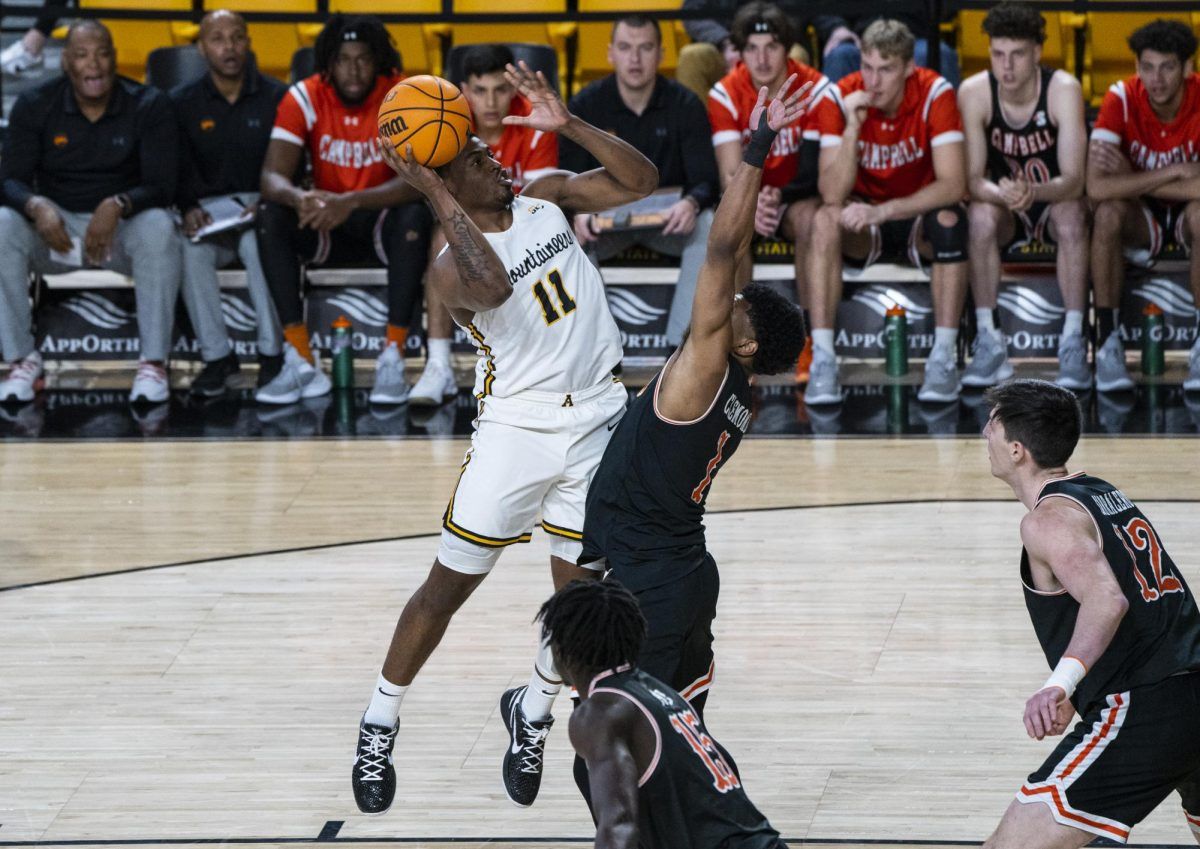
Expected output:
(564, 399)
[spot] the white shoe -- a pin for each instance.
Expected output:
(24, 379)
(941, 377)
(1112, 375)
(391, 386)
(297, 379)
(150, 385)
(17, 59)
(436, 386)
(823, 386)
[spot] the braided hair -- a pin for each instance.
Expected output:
(365, 29)
(593, 625)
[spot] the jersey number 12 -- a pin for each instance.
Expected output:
(550, 310)
(1143, 538)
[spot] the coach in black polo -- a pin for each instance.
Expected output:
(669, 125)
(89, 166)
(225, 119)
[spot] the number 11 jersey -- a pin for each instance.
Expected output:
(555, 333)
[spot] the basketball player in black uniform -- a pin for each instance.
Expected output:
(645, 506)
(1116, 622)
(1026, 147)
(657, 777)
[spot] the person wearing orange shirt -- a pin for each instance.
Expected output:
(356, 207)
(524, 152)
(1143, 176)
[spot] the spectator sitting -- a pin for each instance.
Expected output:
(1143, 176)
(841, 42)
(1026, 147)
(89, 165)
(526, 153)
(788, 198)
(225, 120)
(892, 178)
(356, 208)
(669, 126)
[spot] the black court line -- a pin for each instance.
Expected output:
(522, 841)
(328, 545)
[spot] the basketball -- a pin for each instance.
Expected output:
(430, 114)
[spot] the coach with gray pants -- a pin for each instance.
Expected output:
(88, 167)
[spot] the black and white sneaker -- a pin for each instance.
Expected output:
(527, 743)
(374, 776)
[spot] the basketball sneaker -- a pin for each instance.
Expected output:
(823, 386)
(989, 361)
(527, 744)
(150, 385)
(24, 379)
(269, 365)
(436, 386)
(374, 774)
(941, 377)
(391, 386)
(216, 377)
(297, 379)
(1073, 371)
(1111, 372)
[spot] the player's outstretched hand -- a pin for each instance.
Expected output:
(1044, 713)
(785, 108)
(424, 180)
(547, 111)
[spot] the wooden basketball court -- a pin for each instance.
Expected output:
(873, 655)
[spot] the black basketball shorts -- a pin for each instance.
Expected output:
(1123, 758)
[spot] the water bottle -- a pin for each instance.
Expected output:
(895, 335)
(1153, 361)
(342, 352)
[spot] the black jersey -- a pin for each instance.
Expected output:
(691, 796)
(1031, 151)
(1160, 634)
(645, 506)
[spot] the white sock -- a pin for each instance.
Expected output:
(823, 339)
(439, 350)
(1073, 323)
(544, 684)
(944, 340)
(385, 703)
(984, 319)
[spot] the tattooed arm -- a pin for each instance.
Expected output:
(469, 276)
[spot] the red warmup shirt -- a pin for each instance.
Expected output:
(1127, 120)
(526, 153)
(343, 141)
(895, 155)
(730, 103)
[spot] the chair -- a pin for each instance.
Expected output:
(303, 65)
(167, 67)
(539, 57)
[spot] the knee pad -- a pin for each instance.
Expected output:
(466, 557)
(949, 242)
(571, 550)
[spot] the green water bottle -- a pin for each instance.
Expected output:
(895, 336)
(342, 353)
(1153, 361)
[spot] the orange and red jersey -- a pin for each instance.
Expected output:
(342, 140)
(895, 154)
(1127, 120)
(731, 101)
(526, 153)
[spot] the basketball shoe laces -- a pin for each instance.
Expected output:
(26, 369)
(372, 757)
(533, 745)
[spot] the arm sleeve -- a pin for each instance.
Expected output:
(158, 150)
(21, 154)
(723, 116)
(945, 122)
(1110, 123)
(294, 116)
(699, 162)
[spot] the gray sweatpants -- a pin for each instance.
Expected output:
(145, 246)
(202, 292)
(691, 250)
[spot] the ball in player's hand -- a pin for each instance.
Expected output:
(430, 114)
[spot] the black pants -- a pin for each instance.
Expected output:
(397, 238)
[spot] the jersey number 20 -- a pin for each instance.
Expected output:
(1138, 532)
(550, 310)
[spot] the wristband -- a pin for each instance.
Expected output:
(1067, 675)
(756, 151)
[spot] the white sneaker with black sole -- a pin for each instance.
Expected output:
(297, 379)
(436, 386)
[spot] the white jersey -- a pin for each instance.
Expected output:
(555, 332)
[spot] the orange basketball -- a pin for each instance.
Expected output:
(430, 114)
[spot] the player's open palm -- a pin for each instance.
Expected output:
(785, 108)
(547, 112)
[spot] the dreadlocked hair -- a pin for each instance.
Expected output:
(367, 30)
(778, 328)
(593, 625)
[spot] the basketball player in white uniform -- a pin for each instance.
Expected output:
(515, 279)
